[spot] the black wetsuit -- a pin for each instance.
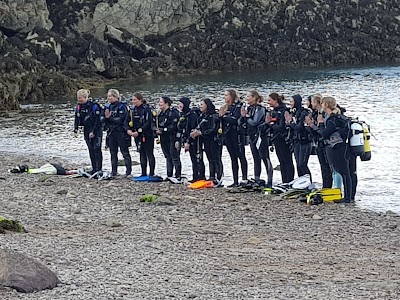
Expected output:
(187, 123)
(117, 136)
(208, 125)
(167, 124)
(326, 171)
(88, 116)
(234, 140)
(259, 133)
(281, 143)
(337, 151)
(302, 141)
(142, 120)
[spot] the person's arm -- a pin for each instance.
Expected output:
(258, 116)
(96, 118)
(119, 120)
(280, 124)
(76, 121)
(327, 129)
(299, 125)
(233, 119)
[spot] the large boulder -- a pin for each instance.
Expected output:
(24, 274)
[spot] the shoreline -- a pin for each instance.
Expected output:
(103, 242)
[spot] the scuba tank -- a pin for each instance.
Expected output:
(356, 140)
(366, 156)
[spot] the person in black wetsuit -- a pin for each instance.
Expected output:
(259, 133)
(115, 114)
(337, 150)
(312, 122)
(187, 123)
(167, 129)
(88, 114)
(207, 129)
(277, 121)
(233, 138)
(302, 141)
(140, 124)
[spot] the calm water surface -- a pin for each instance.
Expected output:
(371, 93)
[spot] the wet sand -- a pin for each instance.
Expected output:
(104, 243)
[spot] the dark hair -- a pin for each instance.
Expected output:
(167, 100)
(277, 97)
(233, 94)
(255, 94)
(140, 97)
(210, 106)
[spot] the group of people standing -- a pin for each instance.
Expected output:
(300, 129)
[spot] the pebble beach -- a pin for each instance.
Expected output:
(103, 243)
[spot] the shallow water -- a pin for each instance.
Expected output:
(370, 93)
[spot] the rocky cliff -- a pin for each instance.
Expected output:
(50, 47)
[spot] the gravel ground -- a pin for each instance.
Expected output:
(104, 243)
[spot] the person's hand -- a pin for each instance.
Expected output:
(107, 113)
(268, 118)
(135, 134)
(195, 133)
(158, 131)
(187, 147)
(288, 117)
(177, 145)
(222, 110)
(308, 120)
(243, 112)
(320, 119)
(91, 135)
(130, 132)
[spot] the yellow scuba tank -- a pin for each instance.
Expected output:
(367, 146)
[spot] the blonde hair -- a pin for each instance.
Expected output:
(114, 93)
(330, 103)
(83, 93)
(233, 94)
(256, 95)
(317, 98)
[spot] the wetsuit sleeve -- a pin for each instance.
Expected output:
(191, 123)
(96, 118)
(76, 121)
(327, 129)
(280, 124)
(148, 117)
(127, 120)
(233, 118)
(299, 125)
(257, 118)
(120, 119)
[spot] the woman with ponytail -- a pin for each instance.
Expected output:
(337, 150)
(277, 120)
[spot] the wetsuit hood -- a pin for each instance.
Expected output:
(297, 102)
(186, 104)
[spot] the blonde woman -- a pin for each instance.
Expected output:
(117, 131)
(337, 150)
(87, 115)
(233, 136)
(312, 122)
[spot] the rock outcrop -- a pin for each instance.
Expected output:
(24, 274)
(72, 40)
